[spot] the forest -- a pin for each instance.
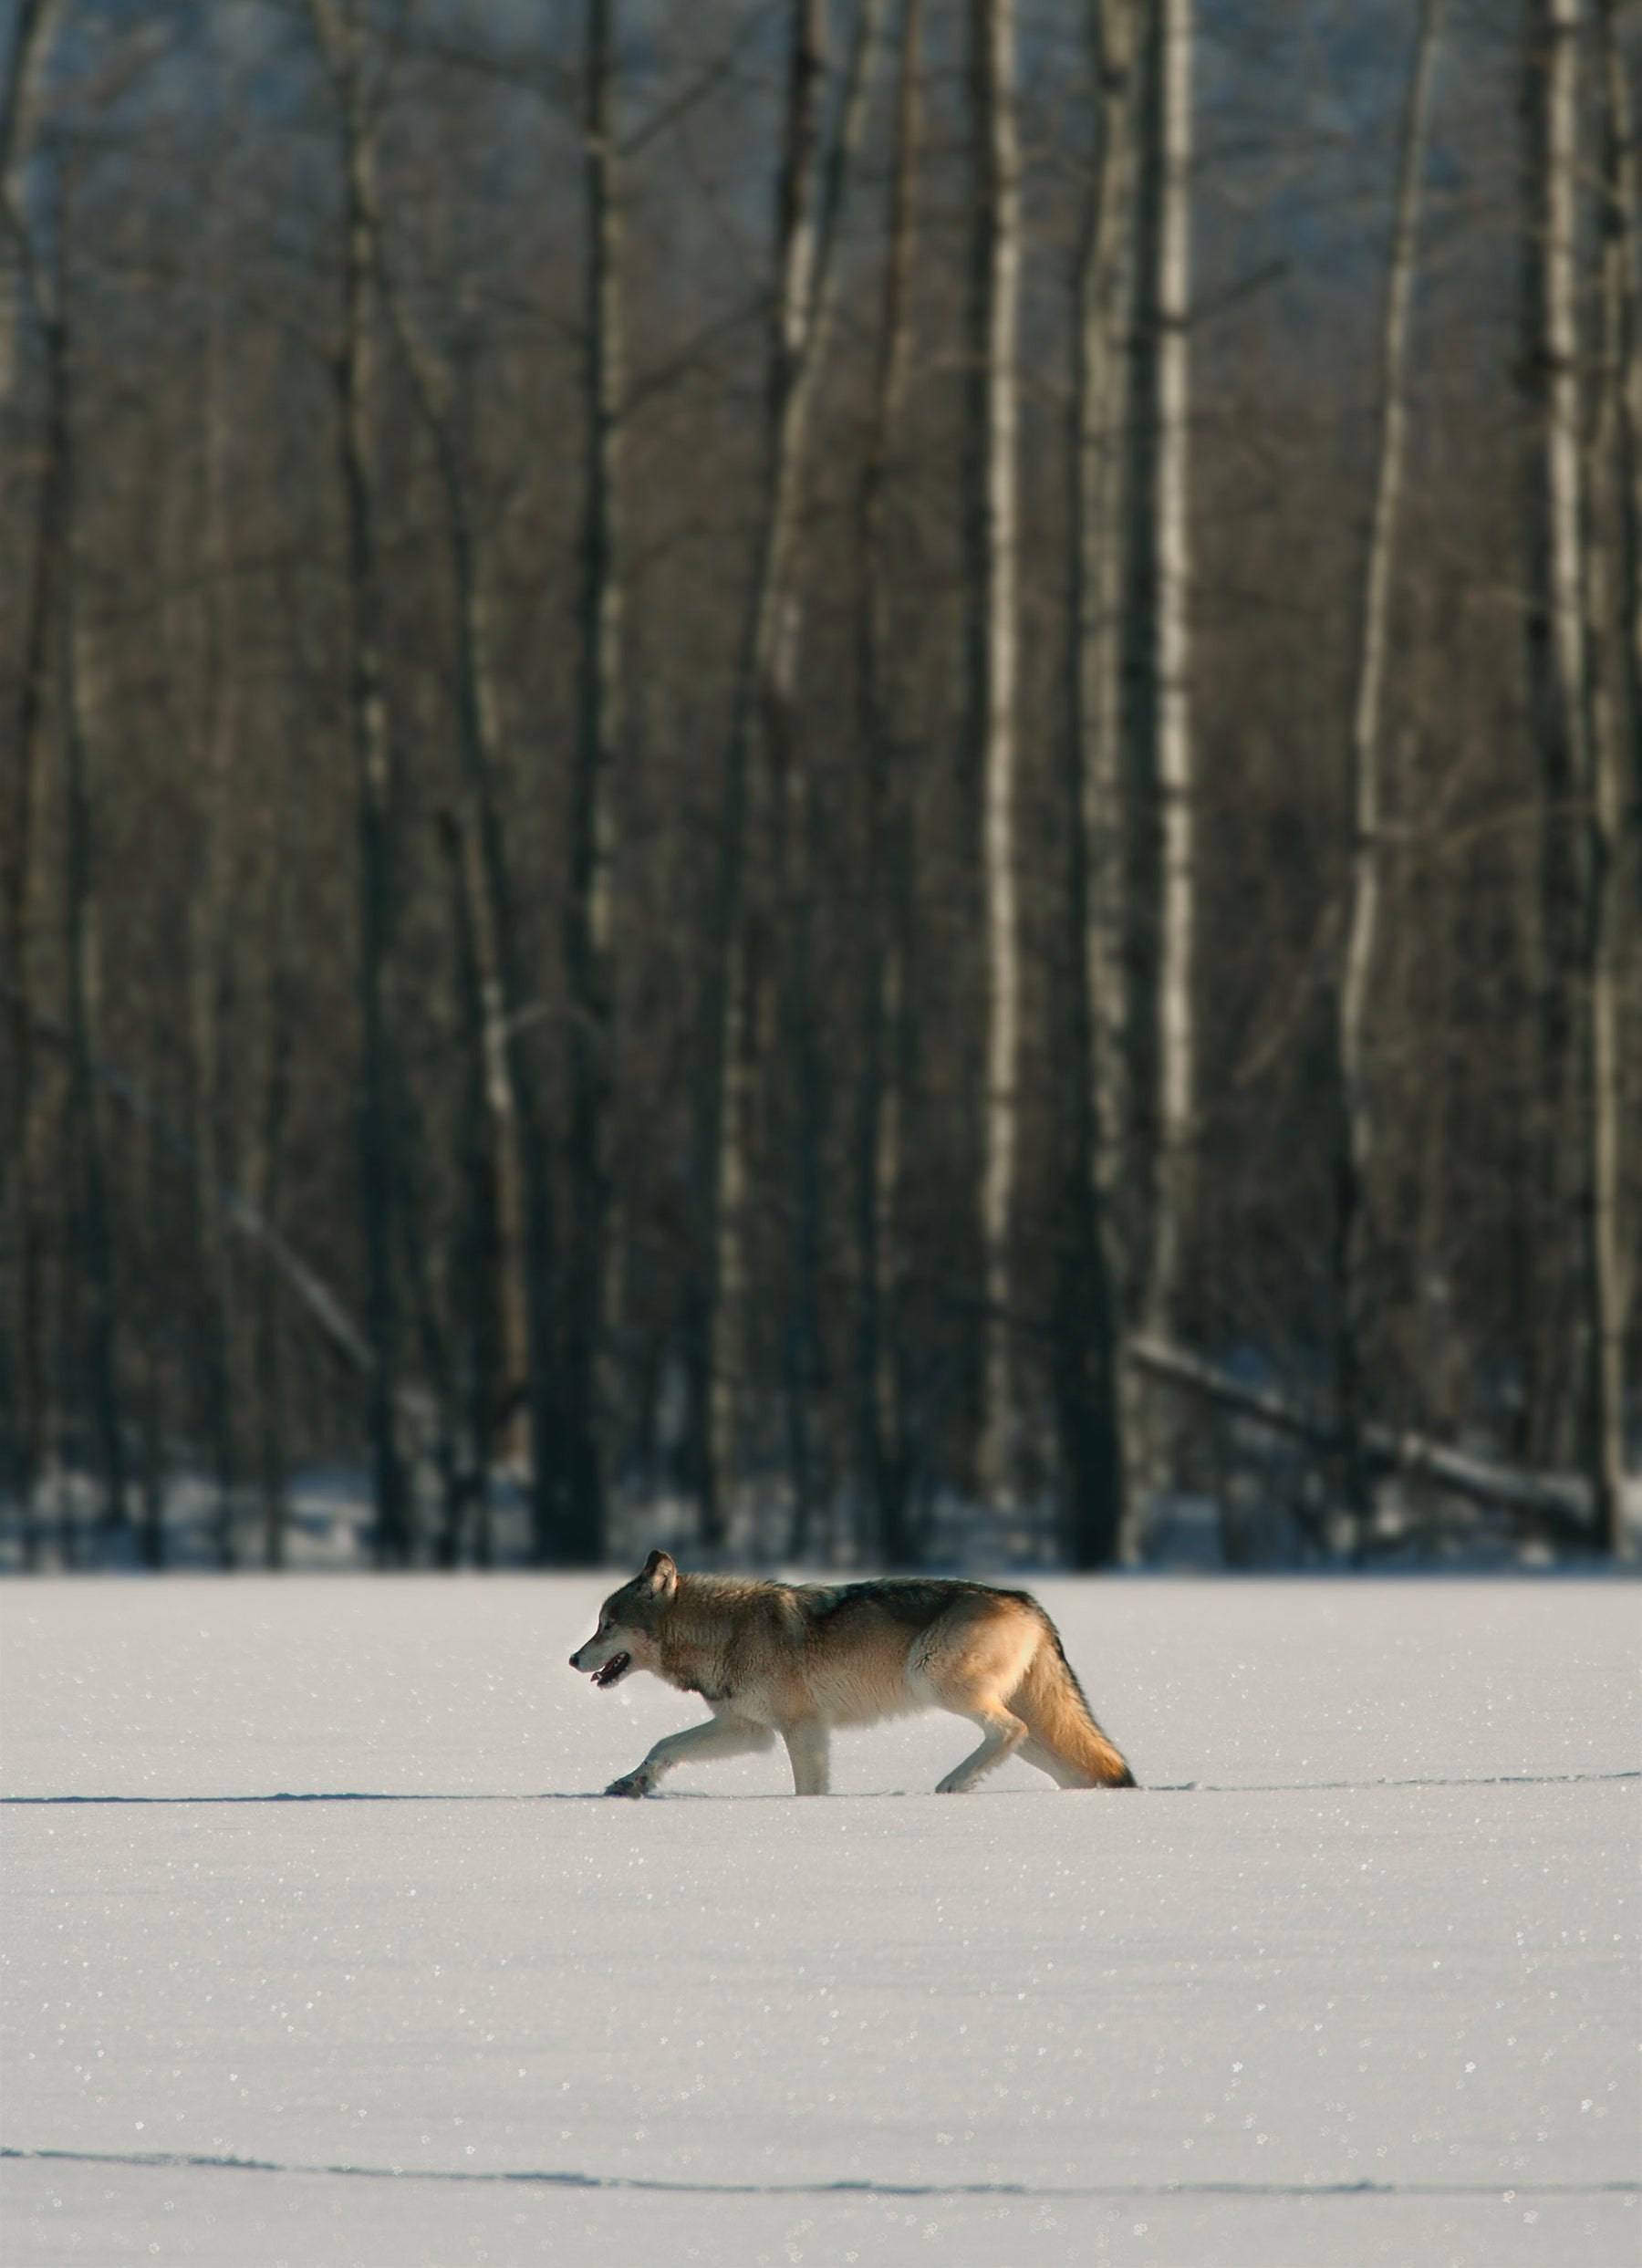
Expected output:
(855, 780)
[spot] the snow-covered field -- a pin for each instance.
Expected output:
(314, 1953)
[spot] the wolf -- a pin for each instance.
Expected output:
(796, 1658)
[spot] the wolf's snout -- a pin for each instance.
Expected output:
(606, 1673)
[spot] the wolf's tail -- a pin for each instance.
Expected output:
(1051, 1703)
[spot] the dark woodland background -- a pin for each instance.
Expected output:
(624, 784)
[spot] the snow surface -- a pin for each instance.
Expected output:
(313, 1952)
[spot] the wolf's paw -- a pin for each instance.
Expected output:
(630, 1784)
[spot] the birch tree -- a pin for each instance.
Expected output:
(62, 697)
(59, 688)
(516, 1163)
(267, 1160)
(24, 291)
(1556, 664)
(800, 820)
(592, 837)
(74, 663)
(342, 32)
(1614, 723)
(806, 304)
(998, 265)
(881, 1415)
(1090, 1322)
(1161, 643)
(714, 1329)
(798, 220)
(475, 1239)
(1365, 779)
(1622, 335)
(1161, 1027)
(213, 941)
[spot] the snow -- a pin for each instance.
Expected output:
(313, 1952)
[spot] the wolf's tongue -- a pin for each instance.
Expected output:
(612, 1669)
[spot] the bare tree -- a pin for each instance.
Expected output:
(267, 1182)
(1160, 640)
(23, 289)
(341, 28)
(1354, 1258)
(715, 1327)
(212, 944)
(592, 839)
(1622, 332)
(515, 1167)
(1615, 721)
(1090, 1380)
(998, 258)
(808, 227)
(74, 662)
(474, 1255)
(880, 1418)
(1556, 664)
(35, 25)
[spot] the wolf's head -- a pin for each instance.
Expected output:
(629, 1622)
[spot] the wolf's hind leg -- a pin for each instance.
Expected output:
(973, 1661)
(806, 1746)
(1004, 1734)
(720, 1736)
(1038, 1752)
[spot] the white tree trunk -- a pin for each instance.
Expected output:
(1564, 174)
(30, 629)
(1622, 188)
(212, 941)
(1101, 408)
(1366, 773)
(716, 1332)
(1176, 1038)
(1557, 676)
(1616, 721)
(1161, 1030)
(524, 1351)
(1092, 1382)
(342, 33)
(1000, 217)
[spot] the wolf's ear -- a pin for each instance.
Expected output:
(659, 1573)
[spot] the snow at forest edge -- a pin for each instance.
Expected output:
(314, 1951)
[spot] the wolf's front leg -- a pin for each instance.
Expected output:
(720, 1736)
(806, 1746)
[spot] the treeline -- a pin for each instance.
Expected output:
(822, 757)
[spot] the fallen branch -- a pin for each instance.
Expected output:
(1557, 1502)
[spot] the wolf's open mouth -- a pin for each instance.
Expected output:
(616, 1668)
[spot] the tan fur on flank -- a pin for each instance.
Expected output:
(798, 1658)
